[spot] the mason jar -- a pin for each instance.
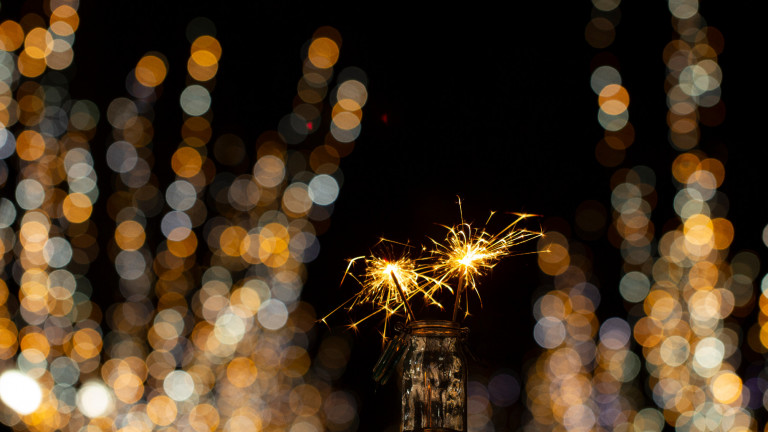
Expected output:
(434, 378)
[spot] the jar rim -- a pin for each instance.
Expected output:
(434, 324)
(429, 429)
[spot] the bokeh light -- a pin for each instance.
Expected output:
(94, 399)
(209, 265)
(20, 392)
(208, 233)
(678, 285)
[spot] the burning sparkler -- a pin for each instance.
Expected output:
(469, 252)
(389, 284)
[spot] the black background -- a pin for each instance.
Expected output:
(489, 102)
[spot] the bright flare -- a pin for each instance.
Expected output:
(20, 392)
(94, 399)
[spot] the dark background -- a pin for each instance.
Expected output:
(478, 101)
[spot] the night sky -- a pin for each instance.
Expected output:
(472, 101)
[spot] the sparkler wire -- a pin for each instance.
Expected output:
(402, 295)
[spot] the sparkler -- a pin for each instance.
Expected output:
(469, 252)
(402, 295)
(388, 284)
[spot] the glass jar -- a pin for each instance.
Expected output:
(434, 378)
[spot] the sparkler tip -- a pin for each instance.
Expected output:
(525, 215)
(354, 327)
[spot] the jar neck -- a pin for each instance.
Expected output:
(434, 327)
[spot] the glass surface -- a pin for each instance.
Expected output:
(434, 378)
